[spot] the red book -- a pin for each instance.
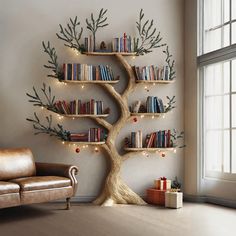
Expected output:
(65, 107)
(92, 106)
(168, 138)
(125, 37)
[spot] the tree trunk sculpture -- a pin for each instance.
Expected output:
(115, 191)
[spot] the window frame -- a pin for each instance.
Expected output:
(203, 59)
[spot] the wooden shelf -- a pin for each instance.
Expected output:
(149, 149)
(84, 143)
(83, 115)
(147, 114)
(154, 81)
(110, 53)
(90, 81)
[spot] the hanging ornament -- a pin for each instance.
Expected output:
(77, 150)
(135, 119)
(163, 154)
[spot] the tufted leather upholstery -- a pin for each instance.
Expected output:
(16, 163)
(22, 181)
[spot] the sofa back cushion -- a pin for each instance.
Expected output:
(16, 163)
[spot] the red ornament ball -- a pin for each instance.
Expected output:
(135, 119)
(77, 150)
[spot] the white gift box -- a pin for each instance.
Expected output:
(173, 199)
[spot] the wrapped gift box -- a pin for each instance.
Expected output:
(173, 199)
(155, 196)
(162, 184)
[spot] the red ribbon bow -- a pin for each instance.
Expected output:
(163, 178)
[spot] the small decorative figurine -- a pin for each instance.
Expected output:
(103, 46)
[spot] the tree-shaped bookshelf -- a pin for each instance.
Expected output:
(115, 190)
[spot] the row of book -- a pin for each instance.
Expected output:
(153, 105)
(152, 72)
(76, 107)
(81, 72)
(123, 44)
(93, 135)
(159, 139)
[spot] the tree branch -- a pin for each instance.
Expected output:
(128, 155)
(102, 122)
(131, 76)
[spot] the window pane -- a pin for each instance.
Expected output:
(226, 10)
(234, 110)
(233, 9)
(212, 13)
(234, 75)
(215, 33)
(234, 32)
(217, 78)
(217, 117)
(233, 151)
(213, 150)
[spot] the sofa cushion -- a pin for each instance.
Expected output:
(8, 187)
(41, 182)
(16, 163)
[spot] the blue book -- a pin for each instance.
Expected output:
(74, 71)
(102, 72)
(161, 106)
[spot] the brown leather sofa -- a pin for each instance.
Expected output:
(24, 181)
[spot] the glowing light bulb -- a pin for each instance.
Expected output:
(175, 150)
(73, 118)
(42, 107)
(133, 57)
(152, 117)
(83, 146)
(154, 84)
(96, 149)
(145, 87)
(163, 116)
(82, 86)
(63, 142)
(86, 146)
(142, 116)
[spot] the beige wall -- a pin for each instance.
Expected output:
(24, 24)
(190, 88)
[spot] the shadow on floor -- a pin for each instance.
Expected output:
(19, 213)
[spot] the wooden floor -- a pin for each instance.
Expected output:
(122, 220)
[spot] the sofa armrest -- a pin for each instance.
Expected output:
(49, 169)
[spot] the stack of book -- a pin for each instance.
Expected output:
(96, 135)
(88, 44)
(136, 139)
(152, 73)
(93, 135)
(76, 107)
(153, 105)
(123, 44)
(159, 139)
(79, 137)
(81, 72)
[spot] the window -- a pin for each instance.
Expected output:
(218, 24)
(217, 97)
